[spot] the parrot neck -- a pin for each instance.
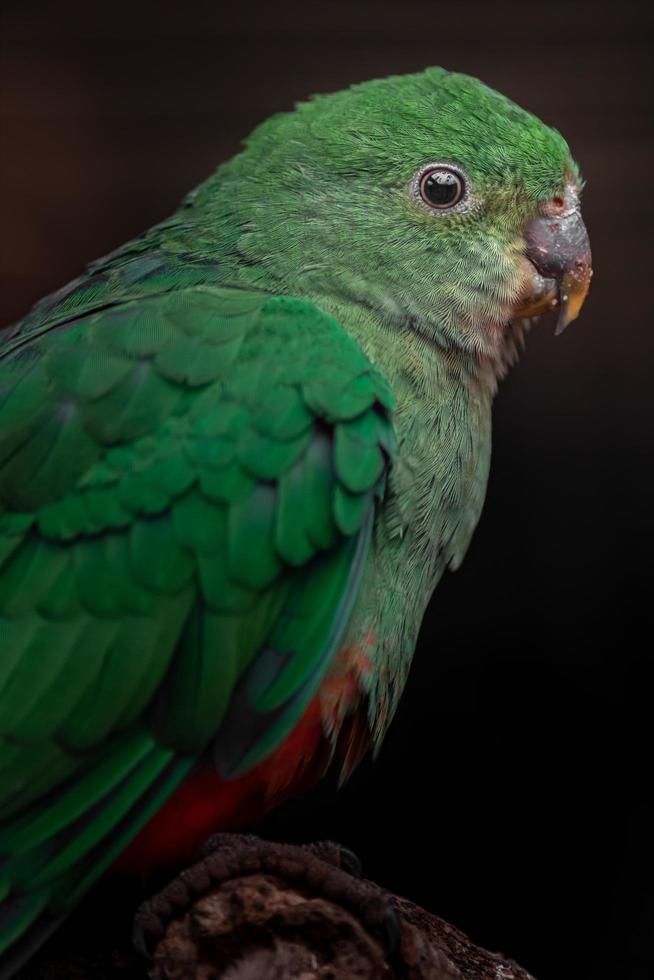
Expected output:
(410, 357)
(436, 493)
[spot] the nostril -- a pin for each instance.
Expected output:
(558, 201)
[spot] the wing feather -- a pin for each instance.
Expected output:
(188, 483)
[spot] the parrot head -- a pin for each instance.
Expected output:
(428, 197)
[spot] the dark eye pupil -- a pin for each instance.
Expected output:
(442, 188)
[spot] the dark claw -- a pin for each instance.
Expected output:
(139, 941)
(335, 854)
(350, 862)
(390, 928)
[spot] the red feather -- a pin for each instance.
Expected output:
(205, 803)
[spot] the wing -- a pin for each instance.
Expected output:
(188, 483)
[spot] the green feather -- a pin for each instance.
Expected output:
(190, 362)
(24, 690)
(157, 560)
(266, 458)
(318, 479)
(358, 464)
(57, 452)
(230, 484)
(349, 510)
(251, 556)
(66, 518)
(33, 829)
(133, 407)
(37, 562)
(62, 601)
(79, 370)
(292, 539)
(200, 525)
(282, 414)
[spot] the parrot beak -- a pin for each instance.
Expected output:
(559, 263)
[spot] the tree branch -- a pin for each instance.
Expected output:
(252, 910)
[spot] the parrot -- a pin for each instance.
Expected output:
(237, 455)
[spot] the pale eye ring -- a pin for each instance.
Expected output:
(441, 187)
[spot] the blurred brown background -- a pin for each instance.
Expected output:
(511, 795)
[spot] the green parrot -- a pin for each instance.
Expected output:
(236, 457)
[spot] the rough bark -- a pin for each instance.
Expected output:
(252, 910)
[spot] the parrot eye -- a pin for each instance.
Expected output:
(441, 187)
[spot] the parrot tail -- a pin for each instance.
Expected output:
(51, 853)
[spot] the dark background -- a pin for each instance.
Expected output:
(510, 795)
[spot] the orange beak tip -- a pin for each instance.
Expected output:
(573, 291)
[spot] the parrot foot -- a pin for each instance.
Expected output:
(238, 864)
(328, 851)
